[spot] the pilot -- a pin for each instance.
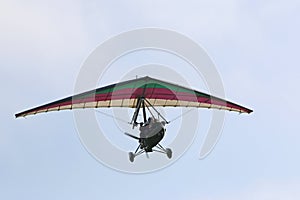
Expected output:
(149, 121)
(145, 128)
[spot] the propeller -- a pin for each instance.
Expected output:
(132, 136)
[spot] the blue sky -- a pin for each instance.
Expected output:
(255, 47)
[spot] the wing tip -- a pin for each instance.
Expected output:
(249, 111)
(18, 115)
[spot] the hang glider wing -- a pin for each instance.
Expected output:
(127, 93)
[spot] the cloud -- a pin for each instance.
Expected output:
(264, 190)
(271, 190)
(206, 19)
(33, 31)
(42, 43)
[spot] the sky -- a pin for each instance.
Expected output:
(254, 45)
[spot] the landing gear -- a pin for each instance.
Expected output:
(157, 148)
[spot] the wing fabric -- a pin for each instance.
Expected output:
(126, 94)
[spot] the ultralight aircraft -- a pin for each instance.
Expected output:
(144, 94)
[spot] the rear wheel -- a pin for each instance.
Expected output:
(131, 156)
(169, 153)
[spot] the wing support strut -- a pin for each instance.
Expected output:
(136, 112)
(160, 115)
(143, 103)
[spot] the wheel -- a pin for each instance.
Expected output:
(169, 152)
(131, 156)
